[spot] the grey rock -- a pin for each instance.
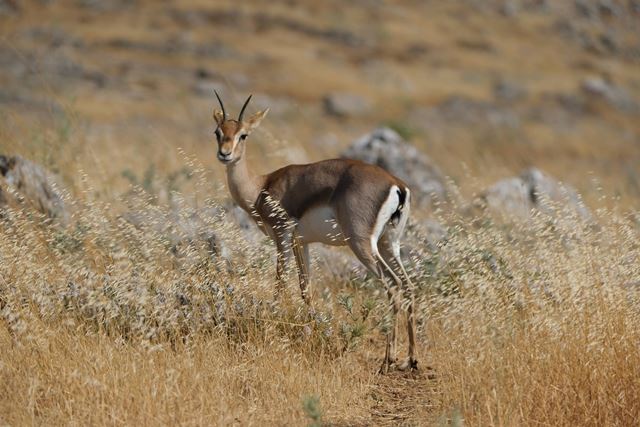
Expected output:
(509, 8)
(599, 88)
(632, 285)
(509, 196)
(265, 21)
(566, 28)
(609, 42)
(277, 105)
(346, 104)
(191, 18)
(385, 148)
(106, 5)
(609, 8)
(12, 97)
(26, 183)
(52, 36)
(4, 165)
(205, 88)
(462, 110)
(477, 45)
(560, 111)
(508, 91)
(183, 230)
(175, 45)
(186, 229)
(433, 233)
(9, 7)
(532, 191)
(3, 198)
(543, 189)
(57, 62)
(245, 223)
(235, 80)
(381, 74)
(586, 9)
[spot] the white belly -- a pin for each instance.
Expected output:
(319, 225)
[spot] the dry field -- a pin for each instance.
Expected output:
(109, 320)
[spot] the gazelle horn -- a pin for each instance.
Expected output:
(244, 107)
(224, 113)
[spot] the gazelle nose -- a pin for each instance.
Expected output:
(225, 157)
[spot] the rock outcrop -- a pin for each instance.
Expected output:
(346, 104)
(25, 183)
(386, 148)
(533, 190)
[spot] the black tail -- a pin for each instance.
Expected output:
(402, 196)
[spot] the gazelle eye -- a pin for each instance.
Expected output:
(243, 136)
(218, 134)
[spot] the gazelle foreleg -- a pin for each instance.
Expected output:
(282, 235)
(301, 252)
(280, 228)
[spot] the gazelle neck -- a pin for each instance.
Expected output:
(243, 184)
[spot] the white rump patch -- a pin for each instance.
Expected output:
(389, 206)
(402, 223)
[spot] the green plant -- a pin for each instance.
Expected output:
(313, 410)
(405, 130)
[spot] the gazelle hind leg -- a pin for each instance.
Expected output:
(390, 251)
(362, 237)
(392, 285)
(363, 251)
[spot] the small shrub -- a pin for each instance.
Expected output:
(312, 409)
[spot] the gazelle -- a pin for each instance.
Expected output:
(336, 202)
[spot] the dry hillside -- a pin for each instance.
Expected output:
(148, 300)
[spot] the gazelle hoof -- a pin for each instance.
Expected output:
(387, 366)
(409, 365)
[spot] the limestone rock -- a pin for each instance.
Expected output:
(386, 148)
(533, 190)
(26, 183)
(616, 96)
(346, 104)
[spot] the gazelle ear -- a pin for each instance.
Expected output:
(254, 121)
(218, 116)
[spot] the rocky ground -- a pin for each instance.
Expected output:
(122, 91)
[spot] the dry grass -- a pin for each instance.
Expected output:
(531, 323)
(105, 323)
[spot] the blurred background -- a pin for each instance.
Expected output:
(113, 93)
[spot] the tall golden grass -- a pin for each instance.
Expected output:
(107, 323)
(529, 323)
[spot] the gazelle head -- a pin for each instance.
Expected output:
(232, 134)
